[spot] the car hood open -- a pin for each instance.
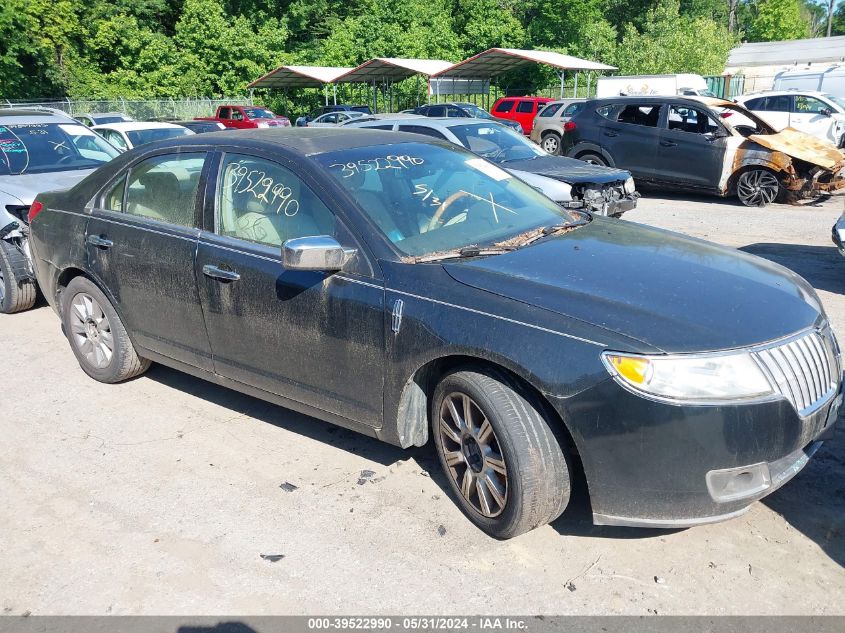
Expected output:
(26, 186)
(802, 146)
(569, 170)
(671, 292)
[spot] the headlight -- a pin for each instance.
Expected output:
(707, 378)
(629, 185)
(262, 124)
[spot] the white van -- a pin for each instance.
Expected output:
(662, 85)
(830, 80)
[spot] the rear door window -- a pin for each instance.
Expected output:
(436, 111)
(572, 109)
(526, 107)
(505, 106)
(640, 114)
(550, 110)
(778, 103)
(164, 188)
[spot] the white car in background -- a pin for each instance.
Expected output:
(126, 135)
(817, 113)
(333, 119)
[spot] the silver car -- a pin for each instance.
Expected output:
(549, 123)
(333, 119)
(39, 152)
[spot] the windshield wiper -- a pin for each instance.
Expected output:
(461, 253)
(529, 237)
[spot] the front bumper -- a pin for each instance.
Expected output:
(650, 464)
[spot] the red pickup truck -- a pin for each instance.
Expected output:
(243, 117)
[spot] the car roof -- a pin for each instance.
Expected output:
(778, 93)
(527, 98)
(129, 126)
(690, 100)
(434, 122)
(305, 141)
(33, 116)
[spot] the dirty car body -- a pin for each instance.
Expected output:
(362, 276)
(707, 145)
(598, 189)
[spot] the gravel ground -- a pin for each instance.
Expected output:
(167, 495)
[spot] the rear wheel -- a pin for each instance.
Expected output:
(97, 335)
(15, 295)
(504, 464)
(757, 188)
(593, 159)
(551, 143)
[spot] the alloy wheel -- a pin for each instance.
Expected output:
(757, 188)
(472, 454)
(91, 331)
(550, 144)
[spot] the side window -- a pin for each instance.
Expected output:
(423, 110)
(237, 115)
(115, 139)
(505, 106)
(436, 111)
(572, 109)
(453, 112)
(605, 111)
(330, 118)
(685, 119)
(113, 198)
(419, 129)
(225, 113)
(638, 114)
(525, 107)
(809, 105)
(377, 127)
(164, 188)
(755, 104)
(550, 110)
(779, 103)
(261, 201)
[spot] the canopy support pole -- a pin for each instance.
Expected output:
(576, 85)
(562, 75)
(326, 92)
(334, 90)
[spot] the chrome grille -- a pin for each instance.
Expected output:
(804, 369)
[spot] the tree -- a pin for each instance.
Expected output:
(837, 23)
(776, 20)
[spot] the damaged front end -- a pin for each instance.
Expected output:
(611, 200)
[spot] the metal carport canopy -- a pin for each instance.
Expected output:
(299, 77)
(392, 69)
(496, 61)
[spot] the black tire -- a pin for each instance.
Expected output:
(15, 295)
(123, 362)
(757, 188)
(551, 143)
(537, 481)
(592, 158)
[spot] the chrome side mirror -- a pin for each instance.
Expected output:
(319, 252)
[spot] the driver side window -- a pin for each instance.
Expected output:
(261, 201)
(685, 119)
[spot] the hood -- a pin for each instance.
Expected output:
(673, 293)
(801, 146)
(27, 186)
(551, 188)
(569, 170)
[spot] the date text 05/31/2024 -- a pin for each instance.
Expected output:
(419, 623)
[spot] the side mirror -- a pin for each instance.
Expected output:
(826, 112)
(320, 252)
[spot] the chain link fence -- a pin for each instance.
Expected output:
(141, 110)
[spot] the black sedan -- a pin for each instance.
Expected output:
(415, 292)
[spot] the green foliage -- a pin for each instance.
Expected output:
(776, 20)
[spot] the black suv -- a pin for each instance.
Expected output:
(701, 144)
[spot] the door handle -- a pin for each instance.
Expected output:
(99, 242)
(218, 273)
(668, 144)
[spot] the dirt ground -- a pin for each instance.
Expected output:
(167, 495)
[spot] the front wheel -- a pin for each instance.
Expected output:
(593, 159)
(97, 335)
(757, 188)
(551, 143)
(504, 464)
(17, 292)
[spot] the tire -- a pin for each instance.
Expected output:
(593, 159)
(96, 334)
(551, 143)
(15, 295)
(516, 473)
(757, 187)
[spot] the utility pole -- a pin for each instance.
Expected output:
(732, 4)
(830, 16)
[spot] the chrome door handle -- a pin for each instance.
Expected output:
(218, 273)
(99, 242)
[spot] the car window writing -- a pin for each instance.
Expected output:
(164, 188)
(261, 201)
(804, 104)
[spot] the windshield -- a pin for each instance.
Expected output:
(259, 113)
(429, 199)
(102, 120)
(837, 100)
(478, 113)
(140, 137)
(496, 142)
(742, 120)
(37, 148)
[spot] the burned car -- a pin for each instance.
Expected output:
(705, 145)
(598, 189)
(39, 151)
(408, 289)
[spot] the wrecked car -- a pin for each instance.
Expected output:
(408, 289)
(39, 151)
(705, 145)
(598, 189)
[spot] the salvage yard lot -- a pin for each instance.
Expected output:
(161, 495)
